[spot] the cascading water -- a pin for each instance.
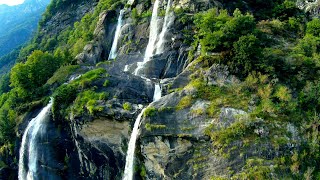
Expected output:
(113, 51)
(153, 32)
(28, 150)
(168, 20)
(153, 35)
(152, 46)
(128, 171)
(157, 92)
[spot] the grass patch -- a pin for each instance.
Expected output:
(88, 100)
(150, 127)
(184, 103)
(61, 75)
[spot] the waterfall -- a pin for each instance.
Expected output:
(168, 20)
(151, 47)
(157, 92)
(128, 171)
(28, 150)
(153, 32)
(153, 35)
(113, 51)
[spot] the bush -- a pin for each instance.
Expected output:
(127, 106)
(313, 27)
(218, 32)
(150, 111)
(88, 100)
(63, 97)
(246, 54)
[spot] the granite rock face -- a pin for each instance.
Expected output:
(173, 142)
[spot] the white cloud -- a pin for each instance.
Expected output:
(11, 2)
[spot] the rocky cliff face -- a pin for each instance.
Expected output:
(175, 139)
(101, 141)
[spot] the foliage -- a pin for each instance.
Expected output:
(313, 27)
(88, 100)
(60, 76)
(150, 111)
(219, 32)
(184, 103)
(62, 97)
(35, 72)
(4, 83)
(88, 78)
(127, 106)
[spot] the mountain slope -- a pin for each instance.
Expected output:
(18, 23)
(209, 90)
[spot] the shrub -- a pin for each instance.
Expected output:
(127, 106)
(63, 97)
(184, 103)
(150, 111)
(88, 100)
(313, 27)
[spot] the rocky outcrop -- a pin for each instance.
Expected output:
(66, 17)
(99, 48)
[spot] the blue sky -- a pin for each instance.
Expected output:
(11, 2)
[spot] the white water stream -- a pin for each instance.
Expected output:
(129, 170)
(157, 92)
(28, 150)
(153, 35)
(113, 51)
(152, 46)
(168, 20)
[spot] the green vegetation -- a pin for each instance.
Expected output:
(34, 73)
(150, 127)
(277, 61)
(271, 47)
(88, 100)
(43, 65)
(150, 111)
(184, 103)
(127, 106)
(61, 75)
(63, 96)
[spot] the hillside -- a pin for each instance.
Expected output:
(165, 89)
(18, 24)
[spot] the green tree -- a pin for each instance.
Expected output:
(35, 72)
(313, 27)
(246, 54)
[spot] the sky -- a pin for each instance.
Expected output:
(11, 2)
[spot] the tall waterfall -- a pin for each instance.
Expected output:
(168, 20)
(153, 35)
(113, 51)
(156, 42)
(153, 32)
(129, 170)
(28, 150)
